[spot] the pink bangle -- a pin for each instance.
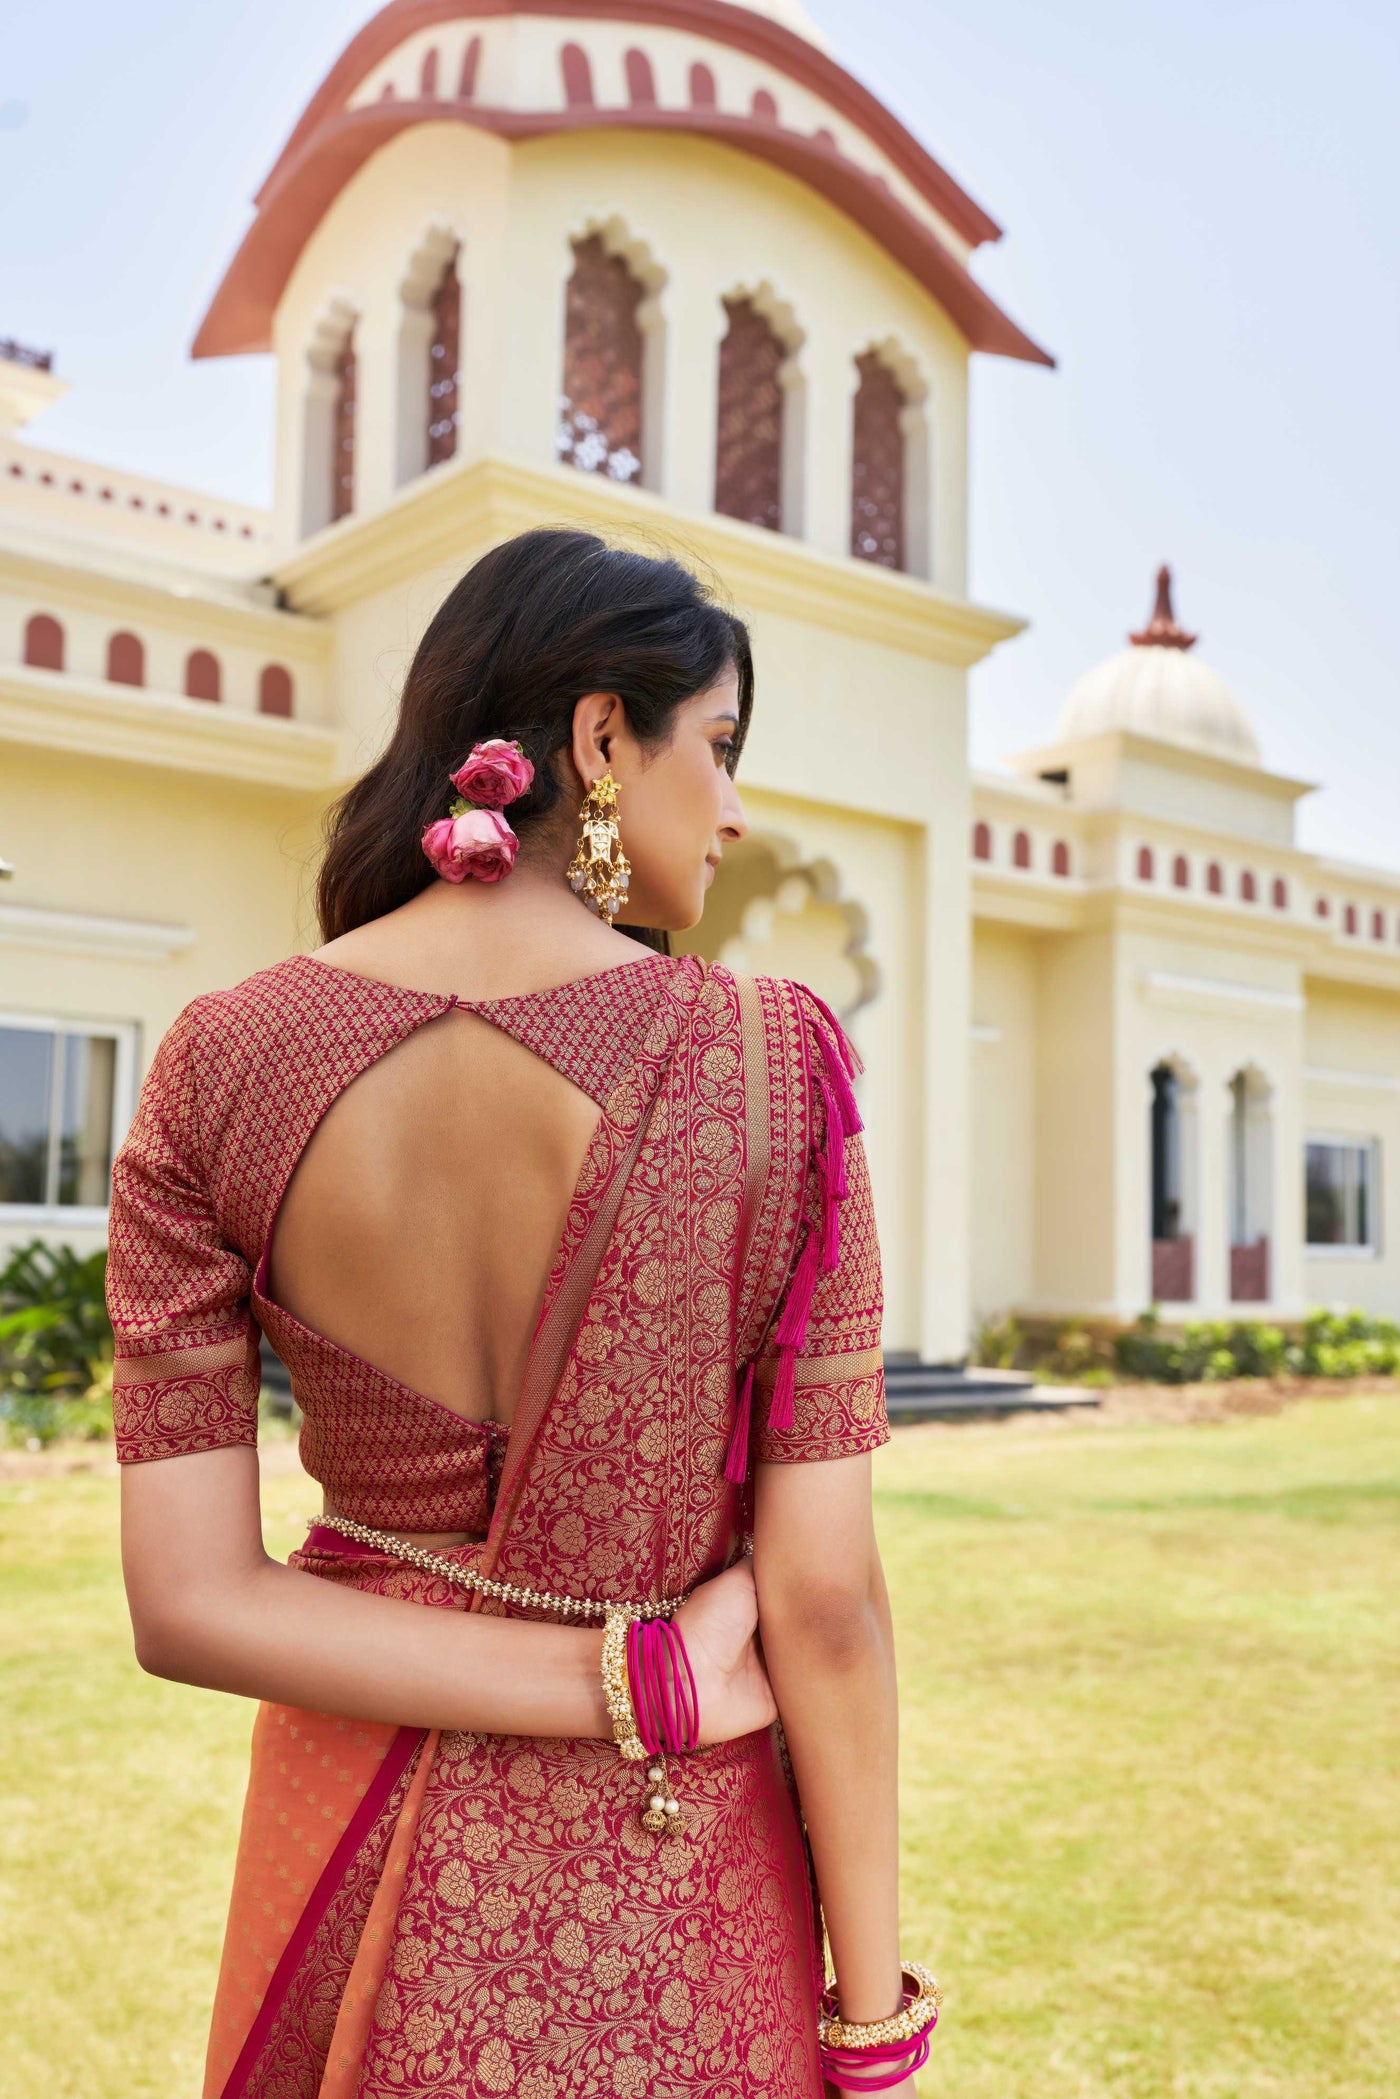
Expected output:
(875, 2069)
(664, 1697)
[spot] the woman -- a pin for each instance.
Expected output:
(568, 1247)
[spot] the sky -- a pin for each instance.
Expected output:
(1202, 214)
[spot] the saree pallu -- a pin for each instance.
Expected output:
(469, 1915)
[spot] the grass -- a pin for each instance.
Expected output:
(1151, 1776)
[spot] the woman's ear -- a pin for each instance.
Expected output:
(597, 718)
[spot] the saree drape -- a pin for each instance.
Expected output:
(463, 1914)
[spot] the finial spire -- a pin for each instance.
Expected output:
(1162, 631)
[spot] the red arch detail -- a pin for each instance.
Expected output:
(641, 81)
(578, 76)
(703, 92)
(764, 106)
(471, 66)
(204, 679)
(126, 659)
(44, 642)
(428, 76)
(275, 690)
(981, 841)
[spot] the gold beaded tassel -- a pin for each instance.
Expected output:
(600, 873)
(662, 1813)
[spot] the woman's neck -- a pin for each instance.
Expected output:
(485, 940)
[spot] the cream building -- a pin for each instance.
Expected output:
(663, 267)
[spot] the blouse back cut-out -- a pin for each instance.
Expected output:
(430, 1204)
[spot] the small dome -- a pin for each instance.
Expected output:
(1156, 688)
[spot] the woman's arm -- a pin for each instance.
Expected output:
(824, 1620)
(209, 1607)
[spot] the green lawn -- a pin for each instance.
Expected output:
(1152, 1768)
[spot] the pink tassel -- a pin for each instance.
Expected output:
(736, 1464)
(780, 1410)
(845, 1098)
(839, 1036)
(791, 1329)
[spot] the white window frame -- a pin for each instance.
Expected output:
(79, 1216)
(1358, 1250)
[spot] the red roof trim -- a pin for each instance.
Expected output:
(743, 30)
(239, 318)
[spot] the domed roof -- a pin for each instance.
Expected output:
(1156, 688)
(791, 13)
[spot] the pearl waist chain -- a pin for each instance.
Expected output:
(519, 1593)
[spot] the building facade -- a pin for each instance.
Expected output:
(663, 268)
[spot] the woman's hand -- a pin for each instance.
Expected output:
(719, 1624)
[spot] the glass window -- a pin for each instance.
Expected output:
(1341, 1179)
(60, 1093)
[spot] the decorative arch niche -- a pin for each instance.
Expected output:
(429, 354)
(329, 345)
(891, 478)
(1173, 1090)
(613, 387)
(772, 912)
(761, 425)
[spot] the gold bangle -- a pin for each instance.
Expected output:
(920, 2011)
(617, 1691)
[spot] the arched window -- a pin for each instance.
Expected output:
(1146, 864)
(428, 75)
(444, 357)
(1280, 893)
(1181, 872)
(703, 94)
(749, 439)
(43, 643)
(877, 465)
(578, 76)
(765, 106)
(1172, 1140)
(1349, 919)
(1249, 888)
(343, 431)
(641, 81)
(471, 66)
(1215, 879)
(203, 677)
(1322, 908)
(1021, 849)
(1059, 858)
(981, 841)
(274, 690)
(126, 660)
(600, 409)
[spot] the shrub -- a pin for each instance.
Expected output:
(996, 1344)
(1329, 1344)
(55, 1344)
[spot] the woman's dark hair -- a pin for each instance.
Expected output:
(530, 628)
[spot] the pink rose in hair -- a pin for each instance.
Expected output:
(477, 847)
(495, 774)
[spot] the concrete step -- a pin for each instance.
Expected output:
(917, 1391)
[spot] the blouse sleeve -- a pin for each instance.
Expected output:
(837, 1373)
(186, 1374)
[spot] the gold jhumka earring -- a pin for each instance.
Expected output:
(600, 872)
